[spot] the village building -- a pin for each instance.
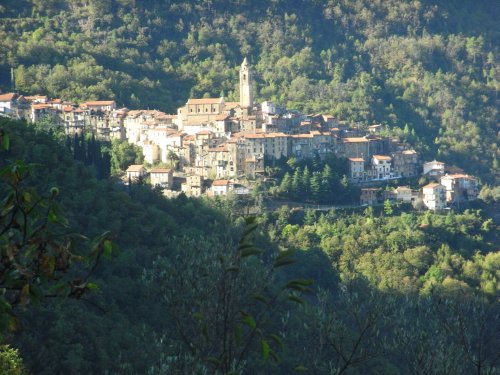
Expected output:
(161, 177)
(135, 172)
(221, 187)
(433, 169)
(434, 196)
(357, 169)
(369, 196)
(404, 194)
(45, 111)
(460, 187)
(14, 105)
(382, 166)
(99, 105)
(194, 186)
(354, 147)
(405, 163)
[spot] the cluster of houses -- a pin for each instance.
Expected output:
(213, 144)
(447, 190)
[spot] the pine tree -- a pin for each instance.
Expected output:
(305, 181)
(327, 182)
(297, 183)
(315, 187)
(286, 184)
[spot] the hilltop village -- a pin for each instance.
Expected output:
(215, 147)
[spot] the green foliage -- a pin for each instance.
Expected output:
(431, 75)
(10, 361)
(124, 154)
(223, 297)
(314, 181)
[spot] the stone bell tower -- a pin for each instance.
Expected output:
(246, 89)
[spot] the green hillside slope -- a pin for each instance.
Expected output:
(427, 67)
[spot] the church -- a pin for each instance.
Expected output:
(219, 116)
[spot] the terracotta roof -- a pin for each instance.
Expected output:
(381, 157)
(456, 175)
(221, 183)
(357, 159)
(204, 132)
(7, 97)
(432, 185)
(221, 117)
(67, 109)
(37, 97)
(99, 102)
(205, 101)
(40, 106)
(231, 104)
(135, 168)
(354, 140)
(160, 170)
(409, 152)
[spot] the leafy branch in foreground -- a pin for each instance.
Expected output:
(38, 257)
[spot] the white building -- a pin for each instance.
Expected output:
(221, 187)
(356, 169)
(434, 196)
(382, 166)
(433, 168)
(135, 172)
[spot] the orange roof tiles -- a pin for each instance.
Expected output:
(357, 159)
(135, 168)
(354, 140)
(204, 132)
(160, 170)
(432, 185)
(381, 157)
(7, 97)
(232, 105)
(205, 101)
(221, 183)
(99, 102)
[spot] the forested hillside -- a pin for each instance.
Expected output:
(186, 292)
(427, 68)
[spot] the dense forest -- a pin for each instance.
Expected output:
(427, 67)
(100, 277)
(192, 287)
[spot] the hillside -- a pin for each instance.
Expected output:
(428, 69)
(176, 297)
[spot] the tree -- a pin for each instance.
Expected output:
(124, 154)
(10, 361)
(388, 207)
(36, 248)
(222, 298)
